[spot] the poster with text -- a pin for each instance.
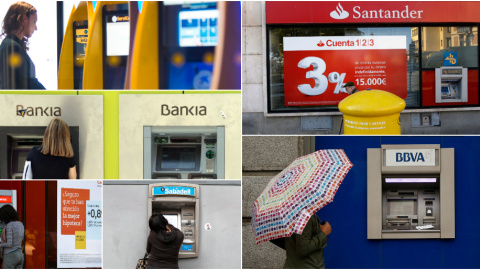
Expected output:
(79, 224)
(316, 68)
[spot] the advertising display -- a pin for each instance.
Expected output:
(79, 224)
(316, 68)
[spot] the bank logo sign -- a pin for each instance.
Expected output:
(358, 13)
(174, 190)
(339, 13)
(38, 111)
(410, 157)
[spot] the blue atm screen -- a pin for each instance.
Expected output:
(187, 248)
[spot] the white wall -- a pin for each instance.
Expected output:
(43, 43)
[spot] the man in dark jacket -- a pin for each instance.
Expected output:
(306, 250)
(350, 88)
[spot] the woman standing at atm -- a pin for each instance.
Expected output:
(163, 243)
(13, 234)
(17, 70)
(54, 158)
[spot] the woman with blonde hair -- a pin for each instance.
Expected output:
(54, 159)
(17, 70)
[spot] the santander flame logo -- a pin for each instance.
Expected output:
(320, 44)
(339, 13)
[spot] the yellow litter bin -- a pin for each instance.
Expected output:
(372, 112)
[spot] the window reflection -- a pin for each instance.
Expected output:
(437, 40)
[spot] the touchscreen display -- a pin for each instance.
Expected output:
(178, 158)
(118, 35)
(197, 27)
(172, 219)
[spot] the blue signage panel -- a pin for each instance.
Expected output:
(450, 59)
(187, 248)
(174, 190)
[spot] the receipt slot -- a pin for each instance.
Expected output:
(411, 192)
(184, 152)
(451, 84)
(179, 203)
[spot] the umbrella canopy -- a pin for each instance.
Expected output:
(297, 193)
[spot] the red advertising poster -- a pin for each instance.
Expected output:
(316, 68)
(74, 210)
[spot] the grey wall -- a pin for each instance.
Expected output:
(263, 158)
(126, 225)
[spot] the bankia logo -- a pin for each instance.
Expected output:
(339, 13)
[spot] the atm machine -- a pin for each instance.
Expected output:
(16, 143)
(451, 84)
(116, 44)
(411, 192)
(7, 197)
(192, 45)
(179, 204)
(184, 152)
(72, 56)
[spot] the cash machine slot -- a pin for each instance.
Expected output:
(188, 34)
(410, 202)
(16, 143)
(196, 154)
(116, 44)
(451, 84)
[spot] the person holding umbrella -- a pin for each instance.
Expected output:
(286, 209)
(306, 250)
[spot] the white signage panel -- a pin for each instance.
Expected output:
(409, 157)
(79, 224)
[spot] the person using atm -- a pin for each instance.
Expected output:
(306, 250)
(13, 233)
(17, 70)
(163, 244)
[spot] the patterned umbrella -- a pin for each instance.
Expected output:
(297, 193)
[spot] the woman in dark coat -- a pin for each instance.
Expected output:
(17, 70)
(163, 243)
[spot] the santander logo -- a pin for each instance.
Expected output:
(320, 44)
(339, 13)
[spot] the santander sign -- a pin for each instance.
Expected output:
(358, 13)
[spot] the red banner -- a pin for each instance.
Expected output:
(288, 12)
(73, 212)
(316, 68)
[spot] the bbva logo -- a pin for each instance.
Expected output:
(339, 13)
(410, 157)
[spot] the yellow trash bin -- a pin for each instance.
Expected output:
(372, 112)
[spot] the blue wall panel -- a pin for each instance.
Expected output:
(348, 246)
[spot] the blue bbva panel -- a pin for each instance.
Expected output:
(348, 246)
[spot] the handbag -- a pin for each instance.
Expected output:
(143, 262)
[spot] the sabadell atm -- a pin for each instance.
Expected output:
(184, 152)
(179, 204)
(411, 192)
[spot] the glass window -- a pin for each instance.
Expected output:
(275, 57)
(462, 40)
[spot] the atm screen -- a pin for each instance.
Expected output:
(116, 45)
(175, 158)
(197, 28)
(80, 38)
(401, 207)
(186, 55)
(172, 219)
(118, 36)
(18, 160)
